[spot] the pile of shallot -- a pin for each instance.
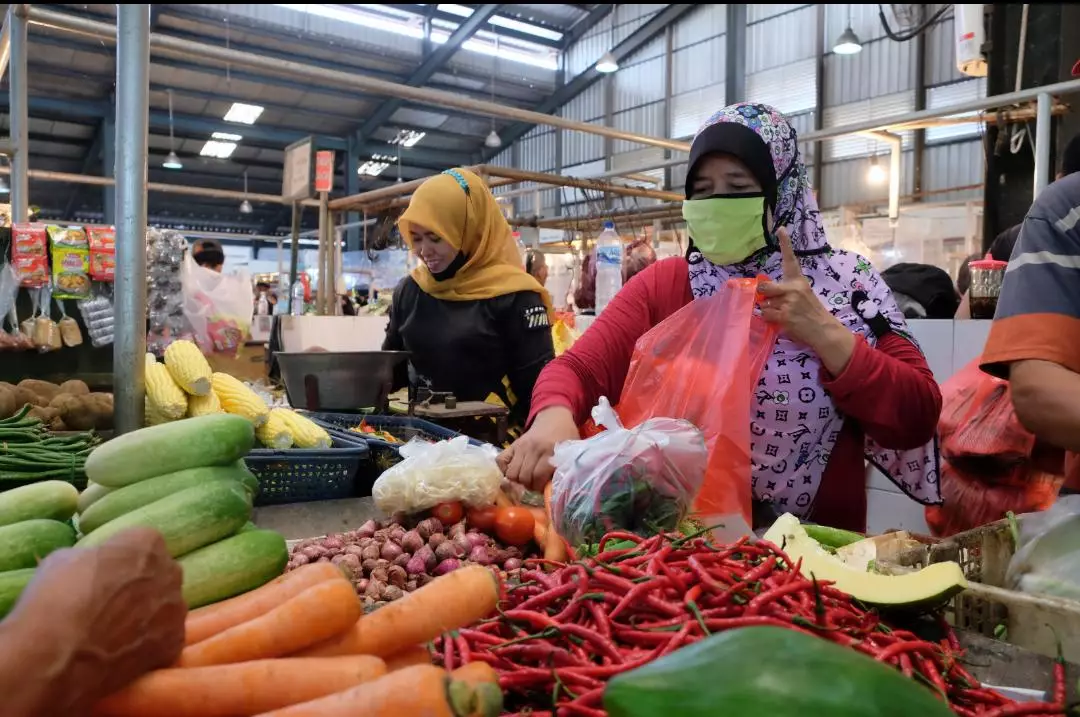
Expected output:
(387, 559)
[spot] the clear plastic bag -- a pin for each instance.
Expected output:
(433, 473)
(1047, 558)
(643, 479)
(218, 307)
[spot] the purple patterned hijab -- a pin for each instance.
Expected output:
(795, 424)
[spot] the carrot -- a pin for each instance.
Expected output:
(418, 690)
(212, 619)
(237, 690)
(319, 613)
(502, 500)
(452, 601)
(475, 673)
(415, 655)
(540, 533)
(554, 546)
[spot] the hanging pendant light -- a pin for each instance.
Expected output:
(172, 161)
(848, 43)
(245, 206)
(607, 64)
(493, 140)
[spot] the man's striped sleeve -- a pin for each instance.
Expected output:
(1038, 313)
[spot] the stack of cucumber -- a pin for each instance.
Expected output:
(187, 480)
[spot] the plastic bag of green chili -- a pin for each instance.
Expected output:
(642, 480)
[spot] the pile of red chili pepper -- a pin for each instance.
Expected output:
(561, 634)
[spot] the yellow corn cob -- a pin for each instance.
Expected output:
(204, 405)
(162, 391)
(274, 433)
(153, 416)
(238, 399)
(305, 433)
(188, 367)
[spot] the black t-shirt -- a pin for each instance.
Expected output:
(469, 347)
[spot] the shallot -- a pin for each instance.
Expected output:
(299, 559)
(411, 541)
(392, 592)
(374, 589)
(447, 566)
(448, 550)
(427, 555)
(462, 543)
(360, 585)
(371, 552)
(369, 565)
(476, 539)
(354, 550)
(436, 540)
(396, 533)
(402, 560)
(390, 550)
(367, 530)
(480, 555)
(397, 576)
(416, 565)
(512, 564)
(429, 527)
(456, 529)
(333, 542)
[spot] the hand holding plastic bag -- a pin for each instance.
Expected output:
(1047, 558)
(642, 480)
(433, 473)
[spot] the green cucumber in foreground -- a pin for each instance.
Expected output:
(25, 544)
(232, 566)
(52, 499)
(198, 442)
(132, 497)
(92, 494)
(768, 671)
(247, 528)
(831, 537)
(12, 584)
(188, 520)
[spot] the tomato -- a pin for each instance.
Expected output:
(483, 519)
(514, 526)
(448, 513)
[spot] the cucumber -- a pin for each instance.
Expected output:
(831, 537)
(135, 496)
(25, 544)
(52, 499)
(792, 675)
(247, 528)
(12, 583)
(214, 440)
(92, 494)
(232, 566)
(188, 520)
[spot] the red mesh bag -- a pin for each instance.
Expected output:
(977, 418)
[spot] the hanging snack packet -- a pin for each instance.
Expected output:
(102, 253)
(30, 254)
(70, 262)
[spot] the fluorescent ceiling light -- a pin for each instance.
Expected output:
(218, 150)
(484, 44)
(172, 161)
(848, 43)
(226, 137)
(406, 24)
(372, 168)
(607, 64)
(242, 113)
(407, 138)
(508, 23)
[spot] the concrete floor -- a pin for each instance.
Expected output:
(296, 521)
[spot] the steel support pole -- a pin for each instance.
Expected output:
(132, 125)
(18, 82)
(1043, 122)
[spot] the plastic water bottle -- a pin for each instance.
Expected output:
(298, 298)
(609, 256)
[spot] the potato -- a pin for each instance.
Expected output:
(24, 396)
(102, 404)
(44, 414)
(7, 402)
(44, 389)
(75, 387)
(79, 413)
(57, 424)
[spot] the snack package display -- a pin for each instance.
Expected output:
(217, 306)
(433, 473)
(30, 254)
(97, 315)
(642, 480)
(70, 262)
(165, 251)
(702, 364)
(102, 253)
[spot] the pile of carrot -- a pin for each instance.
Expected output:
(300, 646)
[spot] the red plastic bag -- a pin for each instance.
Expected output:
(977, 418)
(702, 364)
(980, 491)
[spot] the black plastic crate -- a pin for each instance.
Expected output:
(299, 475)
(383, 453)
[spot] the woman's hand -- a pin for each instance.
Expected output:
(802, 317)
(528, 460)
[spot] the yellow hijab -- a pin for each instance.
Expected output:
(469, 220)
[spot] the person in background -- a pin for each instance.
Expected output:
(208, 254)
(474, 321)
(348, 308)
(963, 274)
(922, 291)
(845, 382)
(1002, 247)
(1034, 341)
(536, 265)
(638, 255)
(91, 621)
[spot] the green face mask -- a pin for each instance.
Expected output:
(726, 229)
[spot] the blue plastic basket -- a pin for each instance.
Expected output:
(383, 453)
(299, 475)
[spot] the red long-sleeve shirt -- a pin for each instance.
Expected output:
(887, 392)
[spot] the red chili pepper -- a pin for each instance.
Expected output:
(549, 596)
(540, 652)
(622, 535)
(896, 648)
(905, 665)
(1016, 709)
(448, 654)
(760, 601)
(1059, 682)
(600, 618)
(703, 575)
(638, 592)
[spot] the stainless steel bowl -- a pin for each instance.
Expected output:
(339, 381)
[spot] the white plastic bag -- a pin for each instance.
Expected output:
(641, 480)
(1047, 557)
(433, 473)
(218, 307)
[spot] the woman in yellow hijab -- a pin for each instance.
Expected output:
(474, 321)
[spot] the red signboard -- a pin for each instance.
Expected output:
(324, 171)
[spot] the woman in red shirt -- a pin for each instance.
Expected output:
(846, 381)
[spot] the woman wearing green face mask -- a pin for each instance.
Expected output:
(846, 383)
